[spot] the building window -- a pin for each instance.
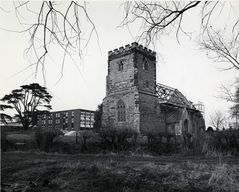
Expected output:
(58, 114)
(82, 124)
(121, 110)
(57, 121)
(66, 114)
(121, 66)
(72, 113)
(145, 64)
(92, 115)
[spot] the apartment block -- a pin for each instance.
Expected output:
(75, 119)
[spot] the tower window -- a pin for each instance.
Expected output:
(121, 111)
(145, 65)
(121, 66)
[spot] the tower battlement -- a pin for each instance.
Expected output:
(129, 47)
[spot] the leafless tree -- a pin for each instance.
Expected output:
(231, 94)
(163, 17)
(221, 49)
(156, 18)
(228, 92)
(63, 27)
(218, 120)
(61, 24)
(235, 107)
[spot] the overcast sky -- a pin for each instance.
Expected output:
(183, 66)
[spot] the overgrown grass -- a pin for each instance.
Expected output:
(95, 173)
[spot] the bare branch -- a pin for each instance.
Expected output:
(221, 49)
(160, 17)
(218, 120)
(55, 26)
(157, 17)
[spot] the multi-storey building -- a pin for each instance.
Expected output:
(76, 119)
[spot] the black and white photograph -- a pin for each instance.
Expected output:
(119, 96)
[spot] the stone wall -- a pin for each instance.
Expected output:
(135, 85)
(150, 116)
(125, 85)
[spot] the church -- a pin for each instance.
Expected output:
(135, 100)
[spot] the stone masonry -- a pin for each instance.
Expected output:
(131, 100)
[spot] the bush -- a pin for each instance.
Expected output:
(159, 143)
(45, 139)
(120, 139)
(5, 143)
(85, 136)
(65, 147)
(225, 141)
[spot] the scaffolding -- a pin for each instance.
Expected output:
(172, 96)
(200, 107)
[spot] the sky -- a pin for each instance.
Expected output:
(183, 66)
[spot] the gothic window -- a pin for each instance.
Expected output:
(121, 111)
(121, 66)
(145, 64)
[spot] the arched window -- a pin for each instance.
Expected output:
(121, 110)
(145, 64)
(121, 65)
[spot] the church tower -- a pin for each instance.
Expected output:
(131, 100)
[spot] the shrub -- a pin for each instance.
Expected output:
(5, 143)
(225, 141)
(85, 136)
(159, 143)
(117, 139)
(45, 139)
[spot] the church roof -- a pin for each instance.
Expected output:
(169, 95)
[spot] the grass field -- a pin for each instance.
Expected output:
(57, 172)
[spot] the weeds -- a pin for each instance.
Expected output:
(224, 177)
(72, 173)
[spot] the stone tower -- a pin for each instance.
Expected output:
(131, 100)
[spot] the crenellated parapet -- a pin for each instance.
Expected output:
(127, 49)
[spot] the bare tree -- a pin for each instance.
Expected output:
(231, 95)
(66, 25)
(218, 120)
(156, 18)
(221, 49)
(162, 17)
(235, 107)
(228, 92)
